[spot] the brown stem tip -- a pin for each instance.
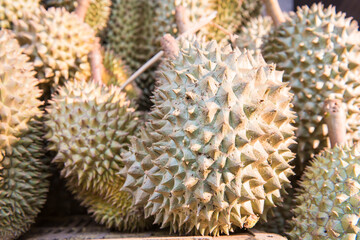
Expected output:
(335, 119)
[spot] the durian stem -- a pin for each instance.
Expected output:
(170, 46)
(182, 19)
(336, 121)
(96, 62)
(273, 9)
(224, 30)
(198, 26)
(81, 8)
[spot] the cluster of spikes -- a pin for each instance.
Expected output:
(88, 127)
(214, 153)
(24, 167)
(318, 49)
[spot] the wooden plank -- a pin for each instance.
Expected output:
(243, 236)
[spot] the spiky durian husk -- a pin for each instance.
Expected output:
(277, 218)
(89, 126)
(318, 50)
(19, 95)
(15, 9)
(217, 150)
(329, 197)
(58, 43)
(97, 13)
(232, 15)
(130, 34)
(24, 183)
(252, 34)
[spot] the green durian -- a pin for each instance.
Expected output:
(97, 13)
(24, 183)
(116, 72)
(214, 153)
(318, 50)
(252, 34)
(231, 15)
(130, 33)
(58, 43)
(23, 166)
(19, 95)
(328, 201)
(89, 127)
(11, 10)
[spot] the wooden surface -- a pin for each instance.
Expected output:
(243, 236)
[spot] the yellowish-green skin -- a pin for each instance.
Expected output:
(214, 153)
(23, 166)
(58, 43)
(97, 13)
(88, 127)
(318, 50)
(328, 200)
(11, 10)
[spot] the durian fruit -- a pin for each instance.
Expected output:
(130, 33)
(232, 15)
(19, 95)
(11, 10)
(88, 127)
(23, 168)
(97, 13)
(24, 182)
(58, 43)
(328, 202)
(215, 148)
(318, 50)
(252, 34)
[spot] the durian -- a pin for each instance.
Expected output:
(58, 43)
(328, 202)
(252, 34)
(88, 127)
(130, 33)
(318, 50)
(232, 15)
(23, 166)
(97, 13)
(19, 95)
(11, 10)
(214, 153)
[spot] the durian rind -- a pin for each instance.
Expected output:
(89, 126)
(252, 34)
(58, 43)
(318, 50)
(328, 200)
(24, 183)
(11, 10)
(19, 95)
(97, 13)
(220, 125)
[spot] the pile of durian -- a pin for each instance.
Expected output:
(212, 136)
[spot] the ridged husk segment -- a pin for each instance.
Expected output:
(232, 14)
(319, 52)
(88, 127)
(215, 148)
(97, 13)
(58, 43)
(15, 9)
(24, 183)
(19, 95)
(252, 34)
(328, 201)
